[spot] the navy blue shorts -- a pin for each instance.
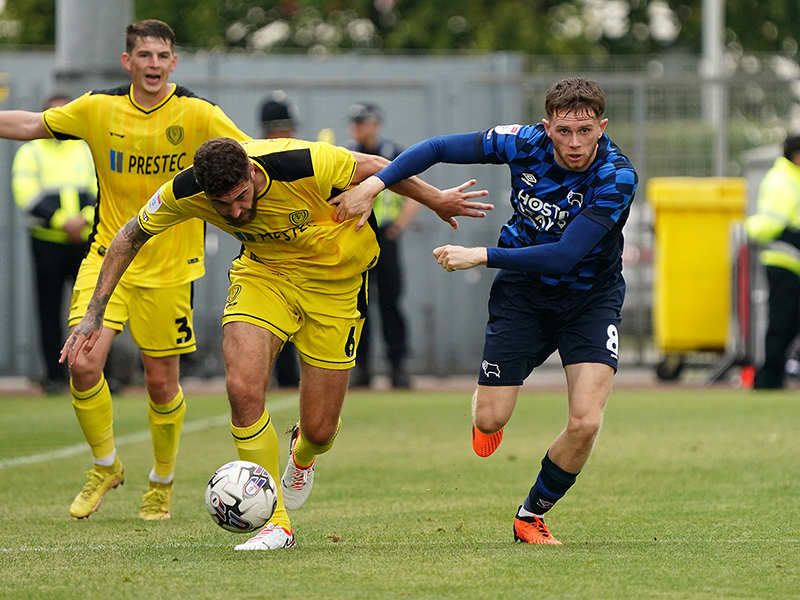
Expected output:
(528, 321)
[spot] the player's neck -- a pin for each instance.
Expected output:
(260, 181)
(147, 99)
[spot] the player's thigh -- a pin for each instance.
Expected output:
(589, 330)
(117, 310)
(519, 336)
(161, 320)
(261, 298)
(249, 352)
(331, 322)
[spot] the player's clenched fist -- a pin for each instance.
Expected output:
(454, 258)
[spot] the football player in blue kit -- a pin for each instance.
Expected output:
(559, 283)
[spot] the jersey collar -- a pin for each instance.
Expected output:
(263, 192)
(157, 106)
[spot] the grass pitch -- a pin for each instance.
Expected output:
(689, 494)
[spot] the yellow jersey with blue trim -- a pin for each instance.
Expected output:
(293, 232)
(135, 151)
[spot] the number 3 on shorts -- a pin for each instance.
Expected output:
(183, 327)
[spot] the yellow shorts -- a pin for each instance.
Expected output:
(159, 319)
(322, 318)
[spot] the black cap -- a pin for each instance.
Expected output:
(358, 113)
(791, 145)
(275, 114)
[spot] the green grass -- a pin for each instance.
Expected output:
(689, 494)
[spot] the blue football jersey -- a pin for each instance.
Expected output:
(546, 198)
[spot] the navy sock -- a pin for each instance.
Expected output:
(551, 484)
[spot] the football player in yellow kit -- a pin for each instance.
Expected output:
(140, 136)
(300, 275)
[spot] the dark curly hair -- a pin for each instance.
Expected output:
(149, 28)
(220, 165)
(575, 94)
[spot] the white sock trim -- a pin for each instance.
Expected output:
(107, 461)
(156, 479)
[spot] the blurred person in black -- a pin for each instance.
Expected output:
(393, 213)
(278, 121)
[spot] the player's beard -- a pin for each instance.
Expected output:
(251, 214)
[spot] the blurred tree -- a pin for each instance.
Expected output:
(578, 27)
(28, 22)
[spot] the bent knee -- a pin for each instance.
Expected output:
(243, 390)
(488, 422)
(585, 427)
(319, 434)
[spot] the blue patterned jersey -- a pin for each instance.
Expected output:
(546, 198)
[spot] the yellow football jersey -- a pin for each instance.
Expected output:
(293, 232)
(135, 151)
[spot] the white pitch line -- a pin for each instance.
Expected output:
(134, 438)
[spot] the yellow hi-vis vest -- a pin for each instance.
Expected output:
(53, 182)
(778, 207)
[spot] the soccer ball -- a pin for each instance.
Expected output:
(241, 496)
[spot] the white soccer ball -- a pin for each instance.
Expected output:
(241, 496)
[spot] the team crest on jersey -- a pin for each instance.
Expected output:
(175, 134)
(575, 198)
(529, 178)
(155, 202)
(298, 217)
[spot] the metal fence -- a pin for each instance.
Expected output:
(658, 111)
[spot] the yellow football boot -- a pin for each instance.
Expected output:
(99, 480)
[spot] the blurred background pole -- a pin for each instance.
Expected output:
(90, 37)
(715, 94)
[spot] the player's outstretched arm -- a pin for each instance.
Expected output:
(452, 202)
(399, 174)
(120, 254)
(22, 125)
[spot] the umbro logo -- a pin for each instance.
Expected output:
(119, 135)
(529, 178)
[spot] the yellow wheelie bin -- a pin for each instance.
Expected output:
(693, 264)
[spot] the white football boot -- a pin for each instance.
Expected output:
(271, 537)
(296, 481)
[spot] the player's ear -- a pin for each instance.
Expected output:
(546, 124)
(174, 63)
(603, 124)
(125, 59)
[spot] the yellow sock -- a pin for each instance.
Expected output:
(258, 443)
(305, 452)
(166, 422)
(96, 417)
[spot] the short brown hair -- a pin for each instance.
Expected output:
(149, 28)
(575, 94)
(220, 165)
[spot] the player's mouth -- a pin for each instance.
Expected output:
(151, 78)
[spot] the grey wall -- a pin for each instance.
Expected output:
(421, 97)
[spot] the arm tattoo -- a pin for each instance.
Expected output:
(123, 249)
